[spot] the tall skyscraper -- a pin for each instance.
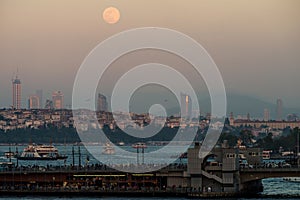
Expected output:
(279, 108)
(186, 105)
(58, 100)
(102, 103)
(16, 98)
(39, 93)
(34, 102)
(266, 114)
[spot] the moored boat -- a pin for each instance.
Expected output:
(40, 152)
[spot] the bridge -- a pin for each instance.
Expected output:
(248, 175)
(221, 174)
(170, 181)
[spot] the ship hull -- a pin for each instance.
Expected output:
(42, 158)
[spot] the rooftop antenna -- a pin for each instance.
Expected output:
(12, 77)
(15, 74)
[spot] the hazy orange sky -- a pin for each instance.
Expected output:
(255, 43)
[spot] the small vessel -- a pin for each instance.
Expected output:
(40, 152)
(121, 143)
(108, 149)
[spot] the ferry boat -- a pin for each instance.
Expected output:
(40, 152)
(108, 149)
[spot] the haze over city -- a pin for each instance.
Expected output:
(255, 44)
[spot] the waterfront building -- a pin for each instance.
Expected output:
(16, 91)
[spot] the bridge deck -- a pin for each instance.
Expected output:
(247, 175)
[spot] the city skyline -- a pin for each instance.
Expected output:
(56, 101)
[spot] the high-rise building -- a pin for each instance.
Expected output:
(266, 115)
(16, 98)
(186, 106)
(39, 93)
(34, 102)
(279, 107)
(58, 100)
(102, 103)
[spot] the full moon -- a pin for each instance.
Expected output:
(111, 15)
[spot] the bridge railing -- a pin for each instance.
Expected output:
(96, 167)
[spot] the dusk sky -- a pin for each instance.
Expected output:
(255, 43)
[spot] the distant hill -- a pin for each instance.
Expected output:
(241, 105)
(238, 104)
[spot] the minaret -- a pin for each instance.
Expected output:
(16, 98)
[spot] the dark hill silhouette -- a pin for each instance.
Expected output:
(241, 105)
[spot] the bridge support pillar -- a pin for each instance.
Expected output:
(196, 183)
